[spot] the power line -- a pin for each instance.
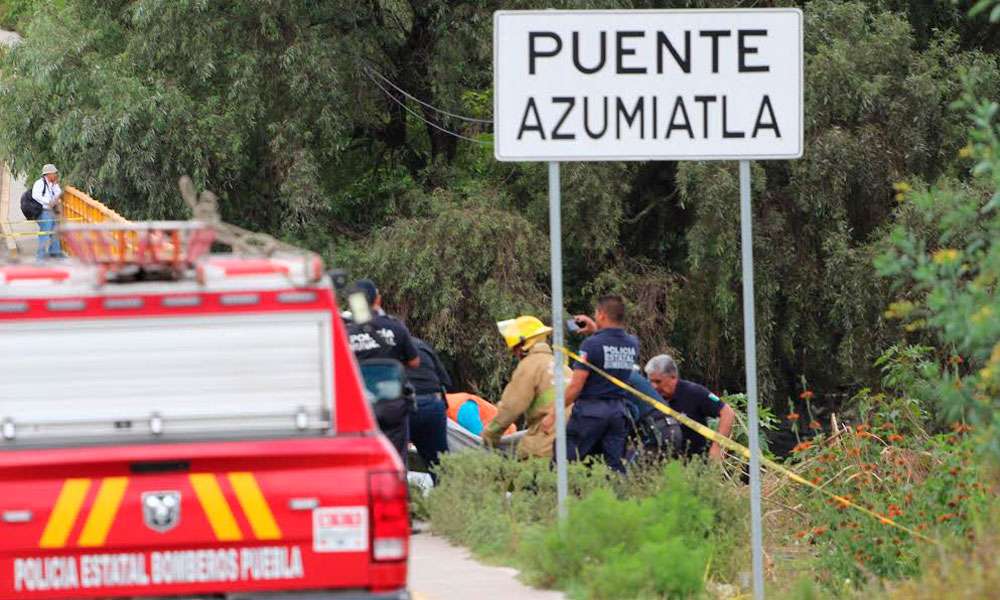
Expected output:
(421, 117)
(422, 103)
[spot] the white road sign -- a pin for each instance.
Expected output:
(648, 85)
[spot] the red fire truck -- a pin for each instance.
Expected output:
(175, 423)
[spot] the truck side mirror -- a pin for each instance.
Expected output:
(338, 277)
(384, 378)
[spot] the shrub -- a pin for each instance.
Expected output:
(485, 500)
(655, 547)
(966, 573)
(15, 13)
(929, 484)
(505, 510)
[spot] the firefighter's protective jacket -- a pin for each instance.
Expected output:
(530, 392)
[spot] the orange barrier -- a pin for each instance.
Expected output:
(486, 410)
(80, 207)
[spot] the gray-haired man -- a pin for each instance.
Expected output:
(691, 399)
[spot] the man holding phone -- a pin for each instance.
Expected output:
(598, 425)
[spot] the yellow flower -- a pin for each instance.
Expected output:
(945, 256)
(965, 152)
(902, 188)
(983, 314)
(900, 310)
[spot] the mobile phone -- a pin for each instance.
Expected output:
(572, 325)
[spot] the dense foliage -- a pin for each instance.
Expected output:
(287, 109)
(945, 257)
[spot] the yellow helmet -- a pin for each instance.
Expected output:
(525, 330)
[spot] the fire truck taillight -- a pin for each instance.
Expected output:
(390, 517)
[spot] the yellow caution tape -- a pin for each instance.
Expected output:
(40, 221)
(739, 448)
(31, 234)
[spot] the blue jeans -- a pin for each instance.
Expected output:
(48, 243)
(429, 428)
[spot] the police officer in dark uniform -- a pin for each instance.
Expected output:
(598, 424)
(385, 337)
(693, 400)
(429, 425)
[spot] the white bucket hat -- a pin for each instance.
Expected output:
(49, 168)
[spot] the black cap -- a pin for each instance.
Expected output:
(367, 287)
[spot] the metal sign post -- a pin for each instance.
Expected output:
(750, 351)
(555, 237)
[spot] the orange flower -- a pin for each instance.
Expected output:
(863, 427)
(819, 530)
(802, 446)
(956, 360)
(815, 425)
(802, 534)
(793, 416)
(806, 395)
(863, 434)
(895, 438)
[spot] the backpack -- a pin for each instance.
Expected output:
(31, 208)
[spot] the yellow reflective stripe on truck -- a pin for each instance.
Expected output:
(64, 513)
(108, 500)
(220, 517)
(102, 513)
(254, 506)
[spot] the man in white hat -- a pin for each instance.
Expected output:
(47, 192)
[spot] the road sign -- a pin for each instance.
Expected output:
(651, 85)
(648, 85)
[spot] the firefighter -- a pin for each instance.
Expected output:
(385, 337)
(530, 391)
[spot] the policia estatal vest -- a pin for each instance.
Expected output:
(385, 337)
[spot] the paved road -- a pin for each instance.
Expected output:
(9, 38)
(440, 571)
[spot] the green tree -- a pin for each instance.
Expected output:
(294, 112)
(945, 255)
